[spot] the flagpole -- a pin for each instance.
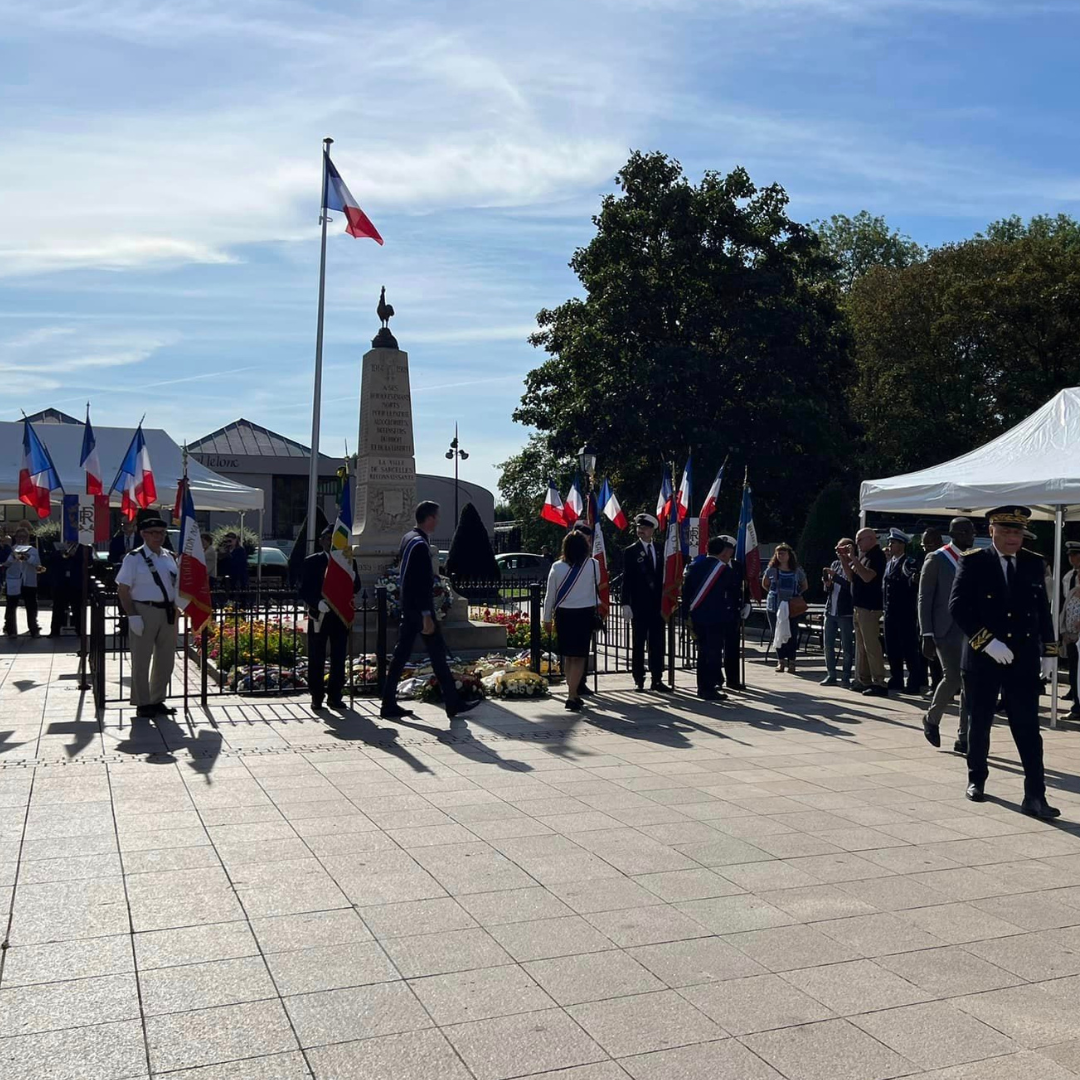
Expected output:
(316, 397)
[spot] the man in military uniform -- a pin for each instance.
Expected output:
(711, 599)
(940, 633)
(325, 627)
(999, 601)
(146, 582)
(900, 598)
(642, 591)
(417, 590)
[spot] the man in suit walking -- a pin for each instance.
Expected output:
(999, 601)
(642, 591)
(941, 637)
(325, 628)
(417, 589)
(711, 599)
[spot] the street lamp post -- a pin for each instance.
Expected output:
(457, 454)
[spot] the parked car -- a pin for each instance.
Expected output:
(522, 566)
(275, 566)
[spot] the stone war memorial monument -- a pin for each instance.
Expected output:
(385, 494)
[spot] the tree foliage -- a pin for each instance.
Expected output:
(710, 323)
(831, 516)
(954, 350)
(858, 243)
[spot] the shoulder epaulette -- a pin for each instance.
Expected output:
(971, 551)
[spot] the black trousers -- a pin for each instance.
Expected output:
(732, 671)
(335, 634)
(1072, 653)
(903, 650)
(29, 599)
(65, 599)
(647, 629)
(710, 658)
(1018, 684)
(411, 627)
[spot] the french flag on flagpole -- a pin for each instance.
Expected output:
(88, 459)
(553, 509)
(339, 198)
(573, 506)
(193, 594)
(663, 502)
(707, 510)
(38, 476)
(610, 506)
(682, 497)
(135, 478)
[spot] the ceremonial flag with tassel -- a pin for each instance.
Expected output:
(338, 581)
(599, 553)
(88, 459)
(573, 507)
(135, 477)
(193, 587)
(683, 496)
(38, 476)
(610, 506)
(746, 547)
(707, 510)
(664, 501)
(553, 509)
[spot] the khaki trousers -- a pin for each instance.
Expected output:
(869, 657)
(153, 654)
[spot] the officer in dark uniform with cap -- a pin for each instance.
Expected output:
(711, 599)
(900, 592)
(642, 592)
(325, 627)
(999, 600)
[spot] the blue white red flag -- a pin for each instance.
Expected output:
(337, 587)
(193, 593)
(610, 506)
(708, 508)
(664, 502)
(746, 546)
(599, 553)
(682, 497)
(38, 476)
(573, 507)
(135, 478)
(339, 198)
(674, 557)
(88, 459)
(553, 509)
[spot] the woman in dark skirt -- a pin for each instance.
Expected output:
(571, 600)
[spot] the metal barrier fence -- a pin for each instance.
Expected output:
(256, 644)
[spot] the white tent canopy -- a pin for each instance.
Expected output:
(1036, 463)
(209, 490)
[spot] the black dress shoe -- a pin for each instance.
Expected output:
(1040, 808)
(584, 691)
(574, 704)
(336, 703)
(394, 712)
(463, 706)
(875, 691)
(639, 687)
(932, 732)
(661, 688)
(163, 710)
(316, 703)
(975, 793)
(146, 712)
(960, 747)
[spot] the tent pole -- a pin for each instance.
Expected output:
(1055, 608)
(862, 518)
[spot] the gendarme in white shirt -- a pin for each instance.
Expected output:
(136, 575)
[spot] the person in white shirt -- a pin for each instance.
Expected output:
(146, 582)
(21, 578)
(571, 600)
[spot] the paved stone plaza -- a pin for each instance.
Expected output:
(790, 886)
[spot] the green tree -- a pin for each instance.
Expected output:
(710, 323)
(831, 516)
(523, 483)
(470, 557)
(858, 243)
(954, 350)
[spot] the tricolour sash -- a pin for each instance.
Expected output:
(569, 581)
(708, 583)
(951, 554)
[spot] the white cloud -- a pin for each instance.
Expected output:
(49, 351)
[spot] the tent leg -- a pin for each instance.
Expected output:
(862, 519)
(1055, 608)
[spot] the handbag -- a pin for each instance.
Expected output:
(796, 606)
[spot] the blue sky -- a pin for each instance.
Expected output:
(159, 184)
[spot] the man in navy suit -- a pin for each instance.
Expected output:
(999, 601)
(642, 591)
(711, 598)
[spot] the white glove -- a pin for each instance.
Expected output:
(999, 651)
(135, 624)
(324, 607)
(1048, 665)
(627, 612)
(747, 608)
